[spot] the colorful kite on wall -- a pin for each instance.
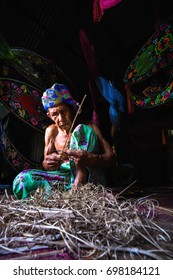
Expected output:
(24, 75)
(149, 77)
(24, 101)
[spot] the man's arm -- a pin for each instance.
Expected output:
(52, 160)
(107, 156)
(106, 159)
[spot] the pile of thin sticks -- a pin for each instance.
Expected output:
(90, 223)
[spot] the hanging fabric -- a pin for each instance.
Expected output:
(100, 5)
(93, 72)
(115, 99)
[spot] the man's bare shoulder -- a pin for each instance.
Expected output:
(51, 129)
(96, 129)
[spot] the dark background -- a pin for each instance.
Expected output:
(51, 29)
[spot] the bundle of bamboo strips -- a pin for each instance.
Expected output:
(91, 223)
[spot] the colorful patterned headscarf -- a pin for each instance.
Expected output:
(57, 94)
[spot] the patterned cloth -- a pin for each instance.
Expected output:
(83, 137)
(57, 94)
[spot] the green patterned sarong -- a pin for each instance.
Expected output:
(83, 137)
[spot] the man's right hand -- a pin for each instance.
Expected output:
(52, 161)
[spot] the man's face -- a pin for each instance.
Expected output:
(60, 115)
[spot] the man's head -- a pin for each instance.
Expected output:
(62, 115)
(58, 94)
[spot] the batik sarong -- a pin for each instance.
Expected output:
(83, 137)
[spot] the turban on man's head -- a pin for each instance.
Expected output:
(57, 94)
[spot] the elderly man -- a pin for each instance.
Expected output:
(71, 156)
